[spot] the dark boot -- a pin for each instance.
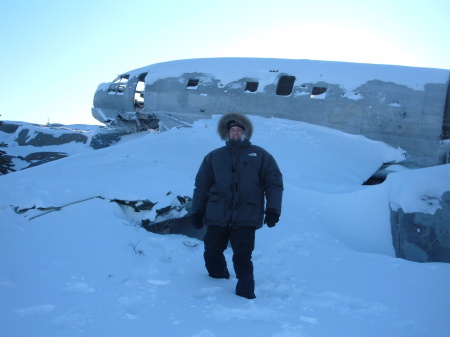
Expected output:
(246, 288)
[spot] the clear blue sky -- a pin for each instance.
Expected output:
(55, 53)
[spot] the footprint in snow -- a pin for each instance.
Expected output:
(78, 288)
(39, 309)
(206, 292)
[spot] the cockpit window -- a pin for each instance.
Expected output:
(119, 84)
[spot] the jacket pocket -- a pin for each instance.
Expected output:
(215, 210)
(251, 212)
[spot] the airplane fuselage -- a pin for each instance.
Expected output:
(404, 107)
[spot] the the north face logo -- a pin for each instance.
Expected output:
(253, 154)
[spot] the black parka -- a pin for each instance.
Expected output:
(236, 184)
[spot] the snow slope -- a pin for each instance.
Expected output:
(327, 269)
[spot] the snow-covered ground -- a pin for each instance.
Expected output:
(327, 269)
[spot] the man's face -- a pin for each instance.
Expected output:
(235, 133)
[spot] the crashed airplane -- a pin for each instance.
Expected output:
(405, 107)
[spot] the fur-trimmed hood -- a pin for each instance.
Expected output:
(241, 119)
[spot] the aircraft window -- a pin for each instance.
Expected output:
(317, 91)
(192, 84)
(251, 86)
(112, 87)
(119, 84)
(285, 85)
(122, 79)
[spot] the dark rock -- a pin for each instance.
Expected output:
(8, 128)
(45, 139)
(38, 158)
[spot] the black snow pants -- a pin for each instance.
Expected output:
(242, 240)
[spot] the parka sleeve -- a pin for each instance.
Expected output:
(203, 182)
(272, 180)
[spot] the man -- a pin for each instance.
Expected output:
(235, 186)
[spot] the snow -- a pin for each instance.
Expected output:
(267, 71)
(327, 269)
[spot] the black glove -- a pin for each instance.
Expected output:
(271, 218)
(197, 220)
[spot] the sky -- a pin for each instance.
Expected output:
(328, 268)
(55, 54)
